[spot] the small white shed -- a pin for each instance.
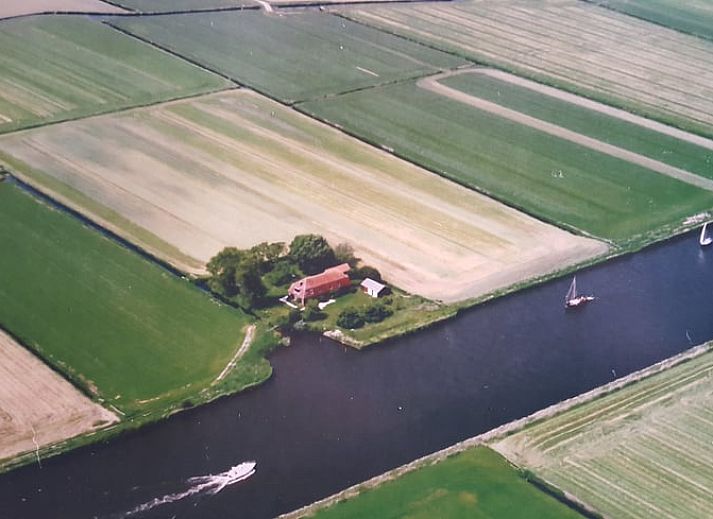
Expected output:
(373, 288)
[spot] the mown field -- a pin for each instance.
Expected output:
(477, 483)
(117, 324)
(38, 405)
(237, 169)
(291, 57)
(57, 68)
(10, 8)
(604, 54)
(552, 178)
(161, 6)
(691, 16)
(686, 151)
(643, 451)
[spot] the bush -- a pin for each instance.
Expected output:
(365, 272)
(377, 313)
(350, 319)
(312, 311)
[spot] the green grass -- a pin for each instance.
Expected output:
(641, 451)
(477, 483)
(291, 57)
(598, 194)
(160, 6)
(58, 68)
(104, 315)
(690, 16)
(630, 136)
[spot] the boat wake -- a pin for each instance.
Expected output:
(210, 484)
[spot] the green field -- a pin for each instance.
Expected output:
(600, 126)
(642, 451)
(547, 176)
(160, 6)
(691, 16)
(291, 57)
(477, 483)
(57, 68)
(105, 316)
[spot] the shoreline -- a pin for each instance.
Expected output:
(503, 431)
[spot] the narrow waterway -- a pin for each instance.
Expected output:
(331, 416)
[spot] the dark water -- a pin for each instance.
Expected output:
(331, 417)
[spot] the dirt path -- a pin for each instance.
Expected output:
(432, 84)
(247, 341)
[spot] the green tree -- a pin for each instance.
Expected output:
(376, 313)
(350, 318)
(312, 253)
(222, 268)
(344, 253)
(365, 272)
(267, 254)
(251, 290)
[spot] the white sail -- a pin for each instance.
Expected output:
(572, 292)
(705, 239)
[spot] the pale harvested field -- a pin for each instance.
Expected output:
(10, 8)
(236, 169)
(37, 405)
(643, 451)
(605, 54)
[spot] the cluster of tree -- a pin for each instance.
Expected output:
(240, 275)
(351, 318)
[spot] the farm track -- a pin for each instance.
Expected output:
(433, 84)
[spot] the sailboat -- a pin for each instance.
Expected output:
(705, 238)
(572, 300)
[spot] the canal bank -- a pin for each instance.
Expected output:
(331, 417)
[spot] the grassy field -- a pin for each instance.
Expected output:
(643, 451)
(116, 324)
(477, 483)
(291, 57)
(599, 52)
(605, 126)
(238, 169)
(54, 68)
(691, 16)
(161, 6)
(550, 177)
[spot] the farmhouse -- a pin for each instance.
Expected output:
(331, 280)
(373, 288)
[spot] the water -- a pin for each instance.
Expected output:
(331, 416)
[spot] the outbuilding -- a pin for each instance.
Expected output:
(374, 288)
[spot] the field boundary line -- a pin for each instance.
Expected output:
(432, 84)
(503, 431)
(247, 341)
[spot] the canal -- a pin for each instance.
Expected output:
(331, 417)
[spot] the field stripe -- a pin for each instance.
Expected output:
(432, 84)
